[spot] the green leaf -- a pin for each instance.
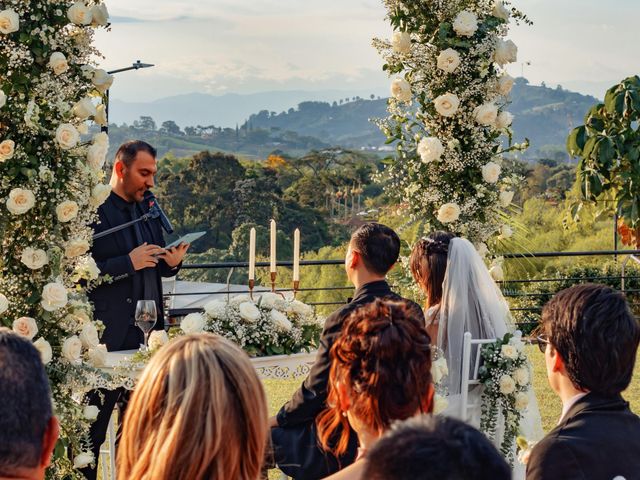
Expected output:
(576, 141)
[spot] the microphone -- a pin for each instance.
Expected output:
(157, 212)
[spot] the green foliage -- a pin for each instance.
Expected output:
(608, 145)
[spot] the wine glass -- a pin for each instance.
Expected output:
(146, 316)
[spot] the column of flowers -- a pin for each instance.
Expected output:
(51, 182)
(447, 112)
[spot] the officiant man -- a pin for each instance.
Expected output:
(136, 261)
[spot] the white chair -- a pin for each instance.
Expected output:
(108, 452)
(470, 380)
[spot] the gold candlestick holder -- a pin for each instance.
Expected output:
(273, 281)
(296, 286)
(252, 283)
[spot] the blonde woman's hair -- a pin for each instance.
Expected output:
(198, 412)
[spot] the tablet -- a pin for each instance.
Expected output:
(188, 238)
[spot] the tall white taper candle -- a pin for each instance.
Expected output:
(252, 254)
(296, 255)
(272, 255)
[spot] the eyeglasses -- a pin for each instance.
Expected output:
(543, 341)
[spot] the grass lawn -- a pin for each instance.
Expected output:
(279, 391)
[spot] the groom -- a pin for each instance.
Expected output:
(590, 341)
(372, 251)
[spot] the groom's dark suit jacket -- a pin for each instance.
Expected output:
(115, 302)
(295, 443)
(598, 439)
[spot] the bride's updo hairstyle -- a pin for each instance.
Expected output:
(381, 363)
(428, 263)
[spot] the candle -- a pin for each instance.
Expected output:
(296, 255)
(272, 255)
(252, 254)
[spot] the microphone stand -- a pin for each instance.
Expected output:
(146, 217)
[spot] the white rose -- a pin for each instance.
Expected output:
(439, 370)
(90, 412)
(491, 172)
(192, 323)
(72, 349)
(280, 321)
(401, 42)
(509, 351)
(505, 84)
(249, 312)
(238, 299)
(465, 24)
(449, 212)
(506, 52)
(430, 149)
(500, 11)
(79, 14)
(97, 356)
(84, 108)
(96, 156)
(157, 339)
(67, 136)
(521, 376)
(76, 247)
(516, 341)
(448, 60)
(505, 231)
(67, 211)
(486, 114)
(83, 460)
(99, 194)
(25, 327)
(522, 401)
(482, 249)
(88, 269)
(215, 308)
(83, 129)
(3, 99)
(506, 197)
(58, 63)
(7, 149)
(401, 90)
(507, 385)
(301, 308)
(89, 335)
(101, 139)
(99, 15)
(447, 104)
(440, 404)
(9, 21)
(497, 273)
(101, 115)
(504, 120)
(34, 258)
(54, 296)
(20, 201)
(102, 80)
(4, 304)
(44, 348)
(269, 300)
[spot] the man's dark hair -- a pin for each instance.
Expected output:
(431, 447)
(25, 403)
(128, 151)
(596, 336)
(378, 245)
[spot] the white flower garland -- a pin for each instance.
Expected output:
(49, 192)
(446, 112)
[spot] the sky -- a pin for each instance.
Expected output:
(249, 46)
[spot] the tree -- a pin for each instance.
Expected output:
(608, 145)
(145, 123)
(170, 127)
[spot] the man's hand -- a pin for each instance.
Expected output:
(273, 422)
(174, 255)
(145, 256)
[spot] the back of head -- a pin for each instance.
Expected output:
(596, 336)
(435, 448)
(383, 358)
(198, 412)
(127, 151)
(428, 263)
(25, 403)
(378, 245)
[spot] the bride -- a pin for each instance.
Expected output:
(462, 297)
